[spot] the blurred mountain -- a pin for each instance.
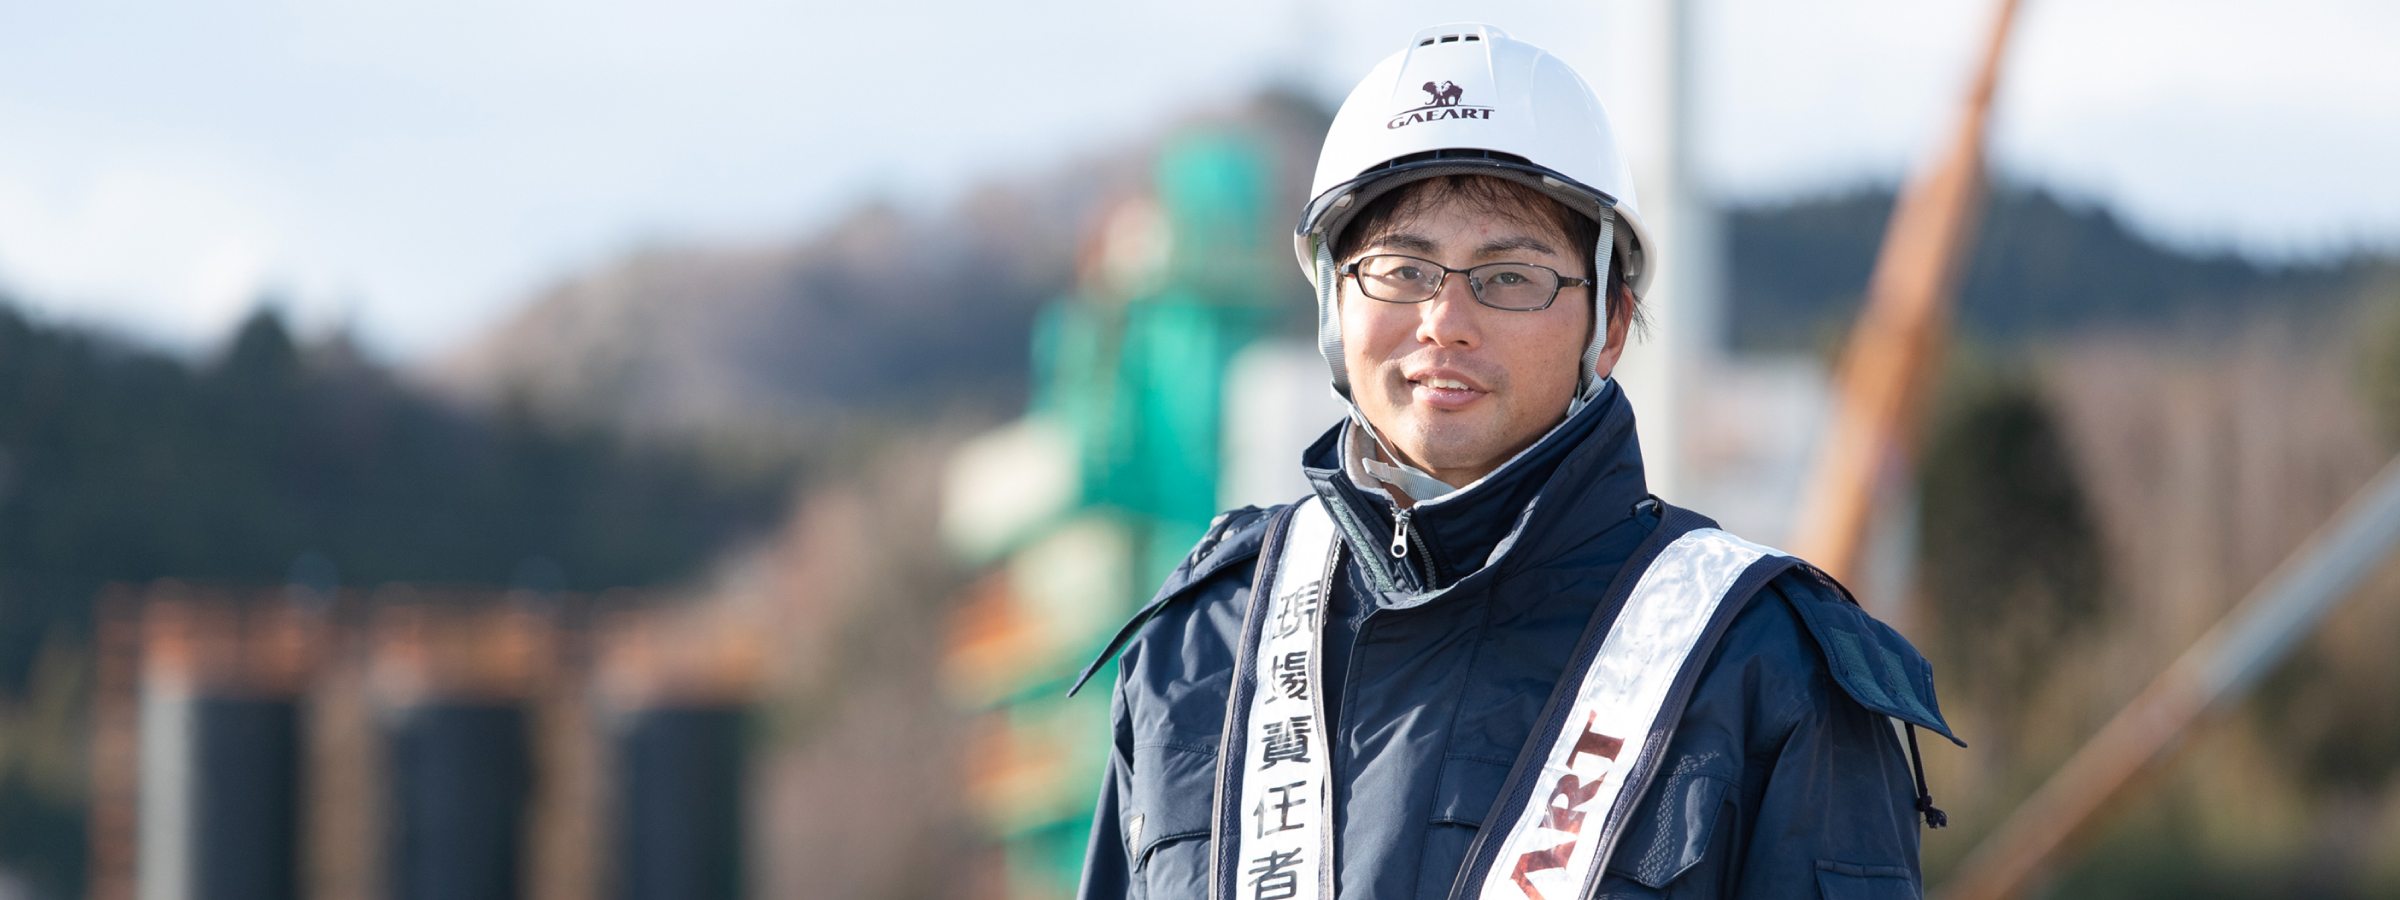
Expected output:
(895, 318)
(883, 314)
(2043, 267)
(884, 317)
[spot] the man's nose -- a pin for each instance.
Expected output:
(1449, 318)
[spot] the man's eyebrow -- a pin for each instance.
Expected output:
(1404, 240)
(1519, 242)
(1417, 243)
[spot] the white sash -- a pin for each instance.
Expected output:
(1554, 850)
(1285, 839)
(1615, 724)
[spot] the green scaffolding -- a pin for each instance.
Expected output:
(1135, 381)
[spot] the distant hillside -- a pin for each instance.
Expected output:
(884, 317)
(119, 464)
(894, 318)
(2042, 267)
(279, 460)
(884, 312)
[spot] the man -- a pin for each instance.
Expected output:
(1481, 660)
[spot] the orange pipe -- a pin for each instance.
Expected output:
(1895, 350)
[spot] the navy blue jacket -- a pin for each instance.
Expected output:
(1783, 780)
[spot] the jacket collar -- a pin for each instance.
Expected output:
(1582, 477)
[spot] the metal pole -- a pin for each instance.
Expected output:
(1684, 334)
(2208, 678)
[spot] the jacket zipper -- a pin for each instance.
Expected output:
(1400, 534)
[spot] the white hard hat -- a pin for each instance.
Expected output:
(1466, 99)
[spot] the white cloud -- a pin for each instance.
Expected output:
(2218, 123)
(178, 252)
(2266, 127)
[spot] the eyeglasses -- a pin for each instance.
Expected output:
(1523, 287)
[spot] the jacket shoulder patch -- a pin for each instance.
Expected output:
(1233, 536)
(1873, 664)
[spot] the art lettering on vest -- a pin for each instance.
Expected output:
(1564, 811)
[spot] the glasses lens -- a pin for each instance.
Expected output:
(1514, 285)
(1398, 279)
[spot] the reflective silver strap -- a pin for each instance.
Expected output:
(1329, 318)
(1588, 379)
(1284, 848)
(1561, 839)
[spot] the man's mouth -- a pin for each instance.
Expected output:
(1442, 392)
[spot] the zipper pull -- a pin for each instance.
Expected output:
(1400, 535)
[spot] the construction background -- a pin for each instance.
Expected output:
(760, 570)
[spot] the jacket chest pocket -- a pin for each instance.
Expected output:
(1668, 838)
(1674, 832)
(1166, 819)
(1460, 803)
(1468, 787)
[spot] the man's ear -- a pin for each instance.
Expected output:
(1620, 325)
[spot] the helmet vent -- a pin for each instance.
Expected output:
(1449, 39)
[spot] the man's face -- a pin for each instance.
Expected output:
(1454, 386)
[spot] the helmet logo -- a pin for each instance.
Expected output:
(1441, 102)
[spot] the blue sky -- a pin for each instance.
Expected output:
(417, 168)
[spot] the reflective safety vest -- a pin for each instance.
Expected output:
(1594, 750)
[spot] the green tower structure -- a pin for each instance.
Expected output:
(1087, 504)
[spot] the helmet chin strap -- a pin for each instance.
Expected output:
(1588, 381)
(1329, 320)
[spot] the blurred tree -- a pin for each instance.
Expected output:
(2331, 706)
(2379, 359)
(120, 464)
(127, 465)
(42, 770)
(2011, 557)
(2330, 714)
